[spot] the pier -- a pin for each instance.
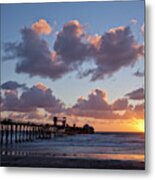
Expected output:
(20, 132)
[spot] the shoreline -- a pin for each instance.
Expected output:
(56, 162)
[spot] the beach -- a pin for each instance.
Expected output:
(94, 151)
(46, 162)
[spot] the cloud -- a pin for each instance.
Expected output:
(10, 101)
(120, 104)
(138, 73)
(38, 96)
(12, 85)
(136, 112)
(94, 40)
(70, 45)
(142, 29)
(41, 86)
(97, 106)
(133, 21)
(139, 107)
(96, 101)
(34, 56)
(118, 49)
(109, 52)
(42, 27)
(42, 97)
(139, 111)
(36, 115)
(93, 114)
(137, 94)
(28, 116)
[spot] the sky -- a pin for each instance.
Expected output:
(82, 60)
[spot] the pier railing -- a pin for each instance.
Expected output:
(15, 132)
(18, 132)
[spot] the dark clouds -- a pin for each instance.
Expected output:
(96, 101)
(120, 104)
(97, 106)
(12, 85)
(69, 44)
(137, 94)
(34, 56)
(38, 96)
(118, 49)
(10, 101)
(110, 52)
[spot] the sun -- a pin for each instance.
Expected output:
(140, 125)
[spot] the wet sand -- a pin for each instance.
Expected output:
(55, 162)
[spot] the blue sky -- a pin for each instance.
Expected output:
(98, 17)
(118, 52)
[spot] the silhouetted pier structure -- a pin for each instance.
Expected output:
(20, 132)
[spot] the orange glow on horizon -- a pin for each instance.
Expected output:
(140, 125)
(100, 125)
(134, 125)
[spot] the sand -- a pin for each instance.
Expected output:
(55, 162)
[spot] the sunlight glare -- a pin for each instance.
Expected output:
(140, 125)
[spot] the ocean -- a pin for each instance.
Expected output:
(98, 146)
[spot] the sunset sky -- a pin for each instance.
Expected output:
(83, 60)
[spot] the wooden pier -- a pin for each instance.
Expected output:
(20, 132)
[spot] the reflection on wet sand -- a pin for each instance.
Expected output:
(135, 157)
(119, 150)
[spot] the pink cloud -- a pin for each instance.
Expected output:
(118, 49)
(38, 96)
(136, 112)
(137, 94)
(42, 27)
(97, 106)
(110, 52)
(120, 104)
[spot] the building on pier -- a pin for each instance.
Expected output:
(18, 132)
